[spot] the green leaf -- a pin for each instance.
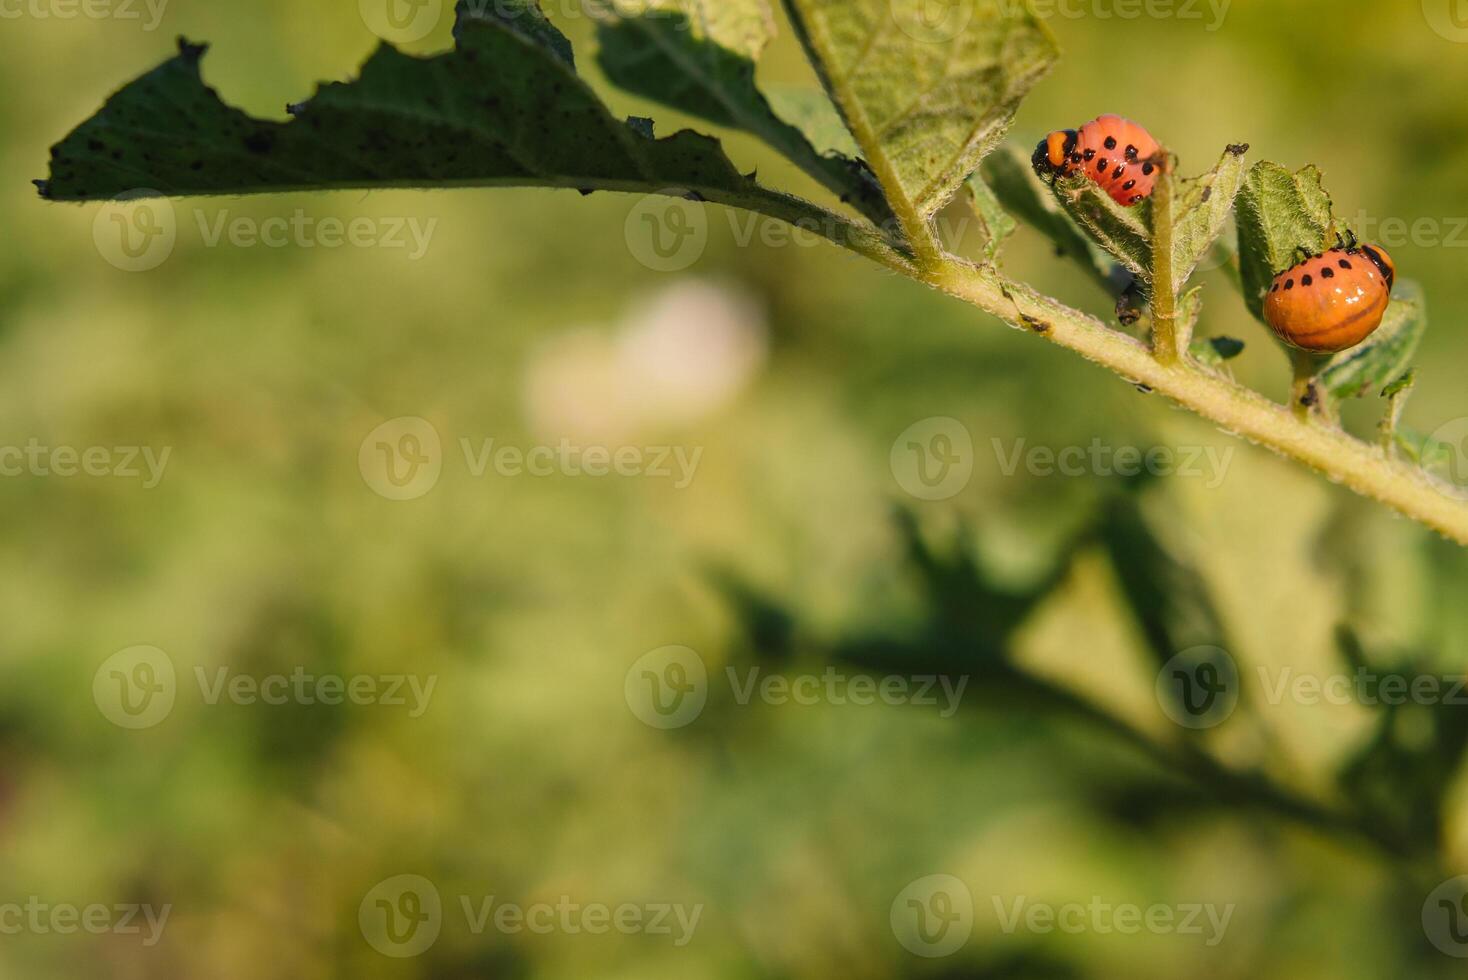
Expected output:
(1125, 233)
(926, 102)
(1201, 207)
(1278, 212)
(1402, 384)
(1386, 355)
(504, 108)
(698, 56)
(995, 224)
(811, 111)
(1215, 351)
(1008, 172)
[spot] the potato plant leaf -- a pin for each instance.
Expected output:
(1214, 352)
(699, 56)
(1386, 355)
(1278, 212)
(1201, 207)
(926, 100)
(1125, 233)
(995, 224)
(504, 108)
(1008, 173)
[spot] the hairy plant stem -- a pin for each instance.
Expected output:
(1361, 466)
(1168, 347)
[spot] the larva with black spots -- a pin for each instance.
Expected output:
(1114, 152)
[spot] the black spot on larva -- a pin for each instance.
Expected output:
(1345, 264)
(1147, 168)
(1289, 284)
(1327, 273)
(96, 146)
(1090, 154)
(1308, 280)
(260, 142)
(1111, 142)
(1075, 158)
(1129, 185)
(1131, 152)
(1101, 165)
(1116, 174)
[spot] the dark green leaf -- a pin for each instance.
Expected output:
(504, 108)
(1214, 351)
(699, 56)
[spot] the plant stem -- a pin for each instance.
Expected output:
(1341, 457)
(1289, 431)
(1166, 344)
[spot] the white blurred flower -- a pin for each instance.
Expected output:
(678, 358)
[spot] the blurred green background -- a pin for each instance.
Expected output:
(265, 548)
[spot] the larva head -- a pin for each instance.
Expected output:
(1383, 262)
(1050, 156)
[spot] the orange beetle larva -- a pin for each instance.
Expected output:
(1332, 301)
(1114, 152)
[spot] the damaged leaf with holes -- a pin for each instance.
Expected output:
(505, 107)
